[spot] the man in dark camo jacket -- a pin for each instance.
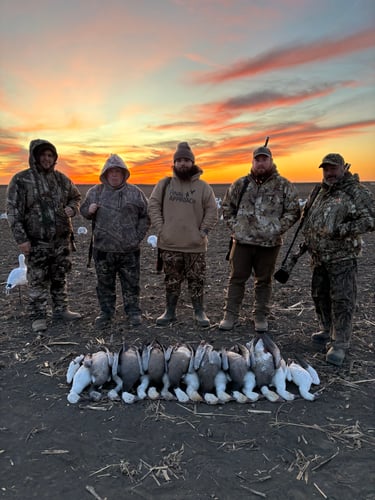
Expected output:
(40, 204)
(342, 211)
(119, 211)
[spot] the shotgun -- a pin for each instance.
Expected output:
(282, 275)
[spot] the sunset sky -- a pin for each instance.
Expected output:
(135, 77)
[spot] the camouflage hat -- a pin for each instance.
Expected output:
(333, 159)
(262, 151)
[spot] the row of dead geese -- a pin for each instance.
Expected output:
(181, 373)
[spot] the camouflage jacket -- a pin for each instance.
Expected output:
(182, 213)
(266, 211)
(121, 221)
(36, 200)
(339, 215)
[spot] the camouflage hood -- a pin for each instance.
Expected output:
(114, 161)
(38, 145)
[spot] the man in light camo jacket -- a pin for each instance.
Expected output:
(258, 208)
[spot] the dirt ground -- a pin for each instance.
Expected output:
(159, 449)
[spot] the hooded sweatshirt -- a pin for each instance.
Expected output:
(182, 213)
(36, 200)
(265, 212)
(121, 221)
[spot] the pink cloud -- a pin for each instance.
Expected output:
(286, 57)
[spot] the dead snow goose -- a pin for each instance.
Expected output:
(264, 359)
(100, 366)
(302, 378)
(179, 369)
(153, 365)
(130, 371)
(212, 379)
(236, 362)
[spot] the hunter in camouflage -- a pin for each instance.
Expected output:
(40, 203)
(258, 208)
(120, 222)
(342, 211)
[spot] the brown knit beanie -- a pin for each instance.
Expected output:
(183, 151)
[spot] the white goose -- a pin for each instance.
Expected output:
(18, 276)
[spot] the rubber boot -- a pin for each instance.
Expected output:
(321, 338)
(262, 298)
(335, 355)
(229, 321)
(199, 314)
(66, 315)
(169, 314)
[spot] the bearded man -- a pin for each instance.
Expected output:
(183, 210)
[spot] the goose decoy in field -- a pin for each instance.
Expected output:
(128, 368)
(212, 379)
(152, 240)
(303, 379)
(18, 276)
(179, 370)
(265, 358)
(236, 362)
(153, 365)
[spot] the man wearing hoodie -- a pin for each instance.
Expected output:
(40, 203)
(183, 210)
(343, 210)
(119, 213)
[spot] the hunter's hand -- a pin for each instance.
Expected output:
(69, 211)
(93, 208)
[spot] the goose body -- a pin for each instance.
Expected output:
(265, 358)
(153, 366)
(302, 378)
(127, 371)
(236, 362)
(179, 363)
(207, 364)
(18, 276)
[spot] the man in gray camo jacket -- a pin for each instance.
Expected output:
(119, 212)
(40, 203)
(342, 211)
(258, 208)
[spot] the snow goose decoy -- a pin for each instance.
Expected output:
(18, 276)
(179, 370)
(265, 358)
(236, 362)
(212, 379)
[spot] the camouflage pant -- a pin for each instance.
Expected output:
(334, 291)
(127, 266)
(179, 266)
(47, 267)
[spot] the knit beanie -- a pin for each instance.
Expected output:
(183, 151)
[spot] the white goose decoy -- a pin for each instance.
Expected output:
(18, 276)
(179, 369)
(207, 364)
(82, 230)
(152, 240)
(236, 362)
(265, 358)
